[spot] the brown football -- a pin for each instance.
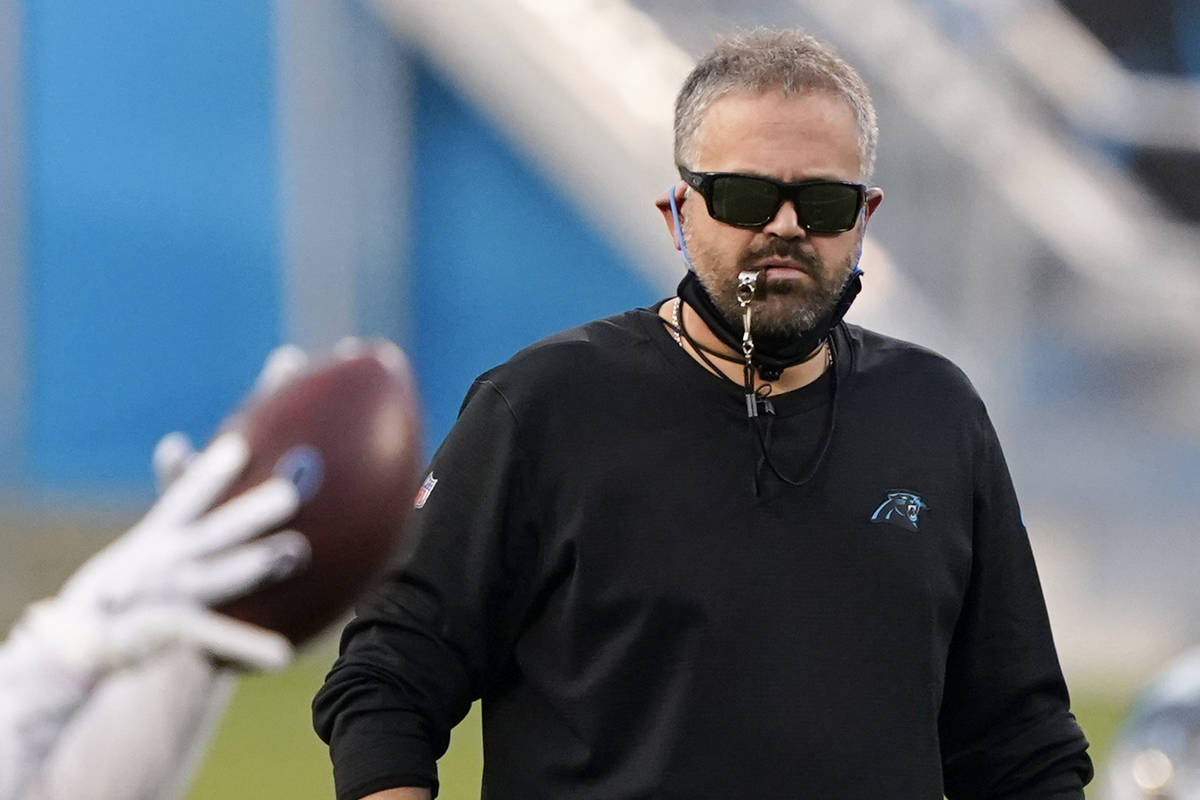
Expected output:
(347, 431)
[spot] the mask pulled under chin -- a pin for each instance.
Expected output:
(771, 355)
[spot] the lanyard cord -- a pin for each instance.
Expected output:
(760, 428)
(763, 438)
(747, 283)
(678, 331)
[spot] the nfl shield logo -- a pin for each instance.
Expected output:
(425, 490)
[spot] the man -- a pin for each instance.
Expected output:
(678, 561)
(111, 689)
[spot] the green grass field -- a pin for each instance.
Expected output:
(266, 749)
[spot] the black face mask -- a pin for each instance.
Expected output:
(772, 354)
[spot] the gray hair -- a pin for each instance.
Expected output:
(769, 58)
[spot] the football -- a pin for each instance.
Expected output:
(346, 431)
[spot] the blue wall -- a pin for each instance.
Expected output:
(154, 267)
(153, 257)
(499, 258)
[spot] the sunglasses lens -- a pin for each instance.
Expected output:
(828, 207)
(741, 200)
(750, 202)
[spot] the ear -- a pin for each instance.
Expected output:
(874, 198)
(663, 201)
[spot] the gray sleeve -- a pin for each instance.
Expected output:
(142, 733)
(38, 699)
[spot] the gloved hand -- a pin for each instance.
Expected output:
(152, 587)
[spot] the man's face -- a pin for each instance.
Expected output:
(788, 138)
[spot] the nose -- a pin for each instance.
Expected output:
(786, 223)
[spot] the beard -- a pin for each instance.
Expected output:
(783, 310)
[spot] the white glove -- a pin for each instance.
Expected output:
(151, 588)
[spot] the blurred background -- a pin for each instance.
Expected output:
(185, 185)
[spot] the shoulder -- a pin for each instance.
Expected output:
(583, 370)
(876, 355)
(904, 371)
(597, 347)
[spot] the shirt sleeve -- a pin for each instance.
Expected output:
(142, 732)
(438, 629)
(38, 698)
(1006, 725)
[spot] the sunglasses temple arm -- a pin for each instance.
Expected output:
(687, 259)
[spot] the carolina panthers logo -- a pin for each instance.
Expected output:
(901, 508)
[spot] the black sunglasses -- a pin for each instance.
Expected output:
(751, 201)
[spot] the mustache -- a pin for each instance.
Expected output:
(790, 250)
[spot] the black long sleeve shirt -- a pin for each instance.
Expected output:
(611, 558)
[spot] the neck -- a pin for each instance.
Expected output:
(791, 378)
